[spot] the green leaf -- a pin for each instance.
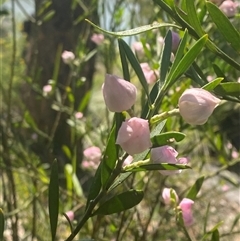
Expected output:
(135, 31)
(213, 84)
(215, 235)
(95, 186)
(186, 61)
(166, 55)
(120, 202)
(155, 167)
(158, 129)
(1, 224)
(180, 51)
(166, 138)
(109, 158)
(193, 17)
(53, 198)
(126, 73)
(134, 63)
(229, 88)
(192, 193)
(224, 26)
(212, 230)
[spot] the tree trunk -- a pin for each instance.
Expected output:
(44, 40)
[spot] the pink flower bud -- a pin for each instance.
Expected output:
(166, 194)
(196, 105)
(134, 136)
(229, 8)
(68, 57)
(97, 38)
(165, 154)
(92, 157)
(47, 89)
(119, 94)
(186, 207)
(78, 115)
(70, 215)
(150, 75)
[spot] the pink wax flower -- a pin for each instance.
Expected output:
(68, 57)
(119, 95)
(92, 157)
(186, 207)
(134, 136)
(196, 105)
(166, 195)
(150, 75)
(78, 115)
(229, 8)
(70, 215)
(97, 38)
(166, 154)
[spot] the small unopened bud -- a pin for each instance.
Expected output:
(134, 136)
(165, 154)
(166, 195)
(119, 94)
(97, 38)
(68, 57)
(196, 105)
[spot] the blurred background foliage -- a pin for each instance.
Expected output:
(36, 127)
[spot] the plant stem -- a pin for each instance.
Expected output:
(158, 118)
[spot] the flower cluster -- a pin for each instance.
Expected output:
(195, 106)
(170, 196)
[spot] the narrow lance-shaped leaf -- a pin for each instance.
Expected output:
(192, 193)
(213, 84)
(95, 186)
(193, 17)
(224, 26)
(229, 88)
(134, 31)
(186, 61)
(53, 198)
(134, 63)
(136, 167)
(166, 55)
(167, 138)
(180, 51)
(109, 158)
(1, 224)
(215, 235)
(120, 202)
(126, 73)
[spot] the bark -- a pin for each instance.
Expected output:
(44, 39)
